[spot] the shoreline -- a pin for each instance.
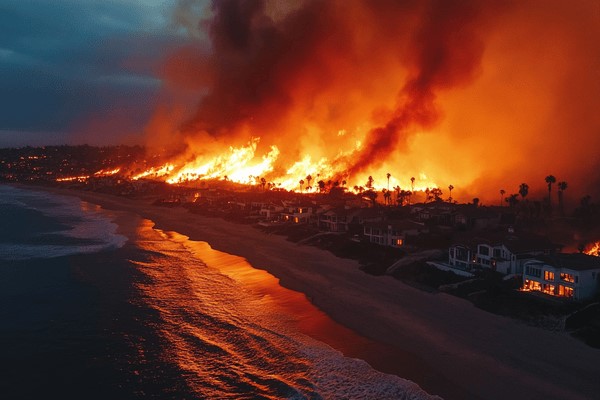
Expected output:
(442, 343)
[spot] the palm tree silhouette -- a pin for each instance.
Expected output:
(562, 186)
(301, 183)
(502, 192)
(450, 189)
(523, 190)
(388, 175)
(550, 179)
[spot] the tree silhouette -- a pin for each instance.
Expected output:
(412, 189)
(308, 179)
(437, 193)
(450, 189)
(369, 183)
(263, 183)
(502, 192)
(397, 189)
(388, 175)
(523, 190)
(386, 196)
(301, 184)
(562, 186)
(550, 179)
(321, 184)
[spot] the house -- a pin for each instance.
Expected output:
(336, 220)
(298, 214)
(572, 276)
(392, 233)
(469, 216)
(505, 253)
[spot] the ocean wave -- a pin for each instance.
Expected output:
(84, 228)
(232, 340)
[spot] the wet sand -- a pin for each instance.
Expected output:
(441, 342)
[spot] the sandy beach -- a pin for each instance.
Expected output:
(441, 342)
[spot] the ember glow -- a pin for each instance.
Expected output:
(448, 92)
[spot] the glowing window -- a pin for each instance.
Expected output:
(567, 277)
(565, 291)
(549, 275)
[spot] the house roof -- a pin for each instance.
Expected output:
(574, 261)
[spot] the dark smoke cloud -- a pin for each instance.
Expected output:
(506, 84)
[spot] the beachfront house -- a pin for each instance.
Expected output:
(506, 253)
(571, 276)
(337, 219)
(298, 214)
(392, 233)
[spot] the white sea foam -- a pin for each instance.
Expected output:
(91, 228)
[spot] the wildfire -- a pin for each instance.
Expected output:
(237, 165)
(593, 249)
(245, 165)
(107, 172)
(81, 178)
(155, 172)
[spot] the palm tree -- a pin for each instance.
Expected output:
(308, 179)
(397, 189)
(412, 189)
(388, 175)
(502, 192)
(523, 190)
(321, 184)
(450, 187)
(301, 183)
(550, 179)
(386, 196)
(369, 183)
(562, 186)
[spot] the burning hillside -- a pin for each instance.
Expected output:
(297, 92)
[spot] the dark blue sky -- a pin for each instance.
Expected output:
(75, 71)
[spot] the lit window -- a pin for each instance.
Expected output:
(549, 275)
(567, 277)
(565, 291)
(399, 242)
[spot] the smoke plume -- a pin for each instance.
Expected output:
(480, 95)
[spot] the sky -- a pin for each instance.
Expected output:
(71, 67)
(477, 94)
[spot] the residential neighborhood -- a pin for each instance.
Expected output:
(468, 249)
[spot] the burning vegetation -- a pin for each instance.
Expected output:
(291, 92)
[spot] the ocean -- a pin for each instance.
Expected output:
(89, 313)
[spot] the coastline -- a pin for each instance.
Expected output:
(441, 342)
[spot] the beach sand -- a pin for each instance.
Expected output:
(441, 342)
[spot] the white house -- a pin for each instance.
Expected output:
(505, 254)
(574, 276)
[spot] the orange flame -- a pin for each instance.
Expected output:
(593, 249)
